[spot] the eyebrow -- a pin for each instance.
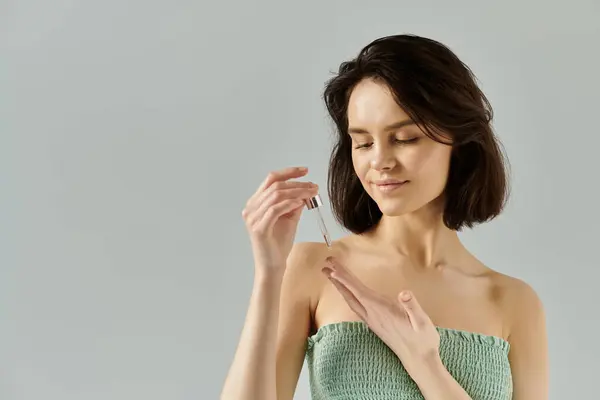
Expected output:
(395, 125)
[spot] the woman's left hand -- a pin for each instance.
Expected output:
(400, 323)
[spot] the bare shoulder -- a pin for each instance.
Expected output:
(520, 302)
(305, 262)
(306, 254)
(528, 338)
(309, 256)
(306, 258)
(303, 272)
(297, 297)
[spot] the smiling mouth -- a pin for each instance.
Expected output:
(390, 186)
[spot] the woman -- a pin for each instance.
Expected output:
(399, 309)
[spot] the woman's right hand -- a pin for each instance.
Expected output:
(272, 216)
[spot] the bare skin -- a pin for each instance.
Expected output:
(468, 296)
(410, 249)
(461, 295)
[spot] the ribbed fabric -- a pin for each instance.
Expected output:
(347, 361)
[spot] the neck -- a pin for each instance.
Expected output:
(420, 236)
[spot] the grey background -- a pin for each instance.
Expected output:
(133, 132)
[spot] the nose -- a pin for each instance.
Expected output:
(383, 158)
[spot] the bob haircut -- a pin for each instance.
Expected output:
(439, 93)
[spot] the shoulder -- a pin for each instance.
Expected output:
(303, 274)
(528, 338)
(306, 254)
(306, 259)
(310, 256)
(303, 271)
(521, 304)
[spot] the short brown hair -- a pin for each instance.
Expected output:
(439, 92)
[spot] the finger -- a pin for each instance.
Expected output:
(275, 212)
(417, 316)
(282, 175)
(350, 280)
(301, 190)
(282, 185)
(278, 197)
(350, 298)
(295, 213)
(259, 199)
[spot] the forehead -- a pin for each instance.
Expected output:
(371, 103)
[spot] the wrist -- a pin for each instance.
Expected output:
(430, 369)
(266, 293)
(268, 278)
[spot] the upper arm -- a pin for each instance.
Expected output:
(294, 326)
(529, 345)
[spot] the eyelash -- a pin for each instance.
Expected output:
(398, 141)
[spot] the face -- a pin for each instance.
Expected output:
(401, 168)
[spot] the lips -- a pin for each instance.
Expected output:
(389, 185)
(389, 182)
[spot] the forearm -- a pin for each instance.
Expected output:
(436, 383)
(252, 374)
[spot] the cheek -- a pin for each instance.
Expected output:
(432, 166)
(361, 167)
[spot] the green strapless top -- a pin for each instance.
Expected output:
(347, 361)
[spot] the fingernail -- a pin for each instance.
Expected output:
(302, 169)
(405, 296)
(327, 271)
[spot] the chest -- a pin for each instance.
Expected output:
(451, 299)
(348, 361)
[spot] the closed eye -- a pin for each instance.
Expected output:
(396, 141)
(407, 141)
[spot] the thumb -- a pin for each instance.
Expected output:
(413, 309)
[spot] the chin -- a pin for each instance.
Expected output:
(400, 207)
(390, 208)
